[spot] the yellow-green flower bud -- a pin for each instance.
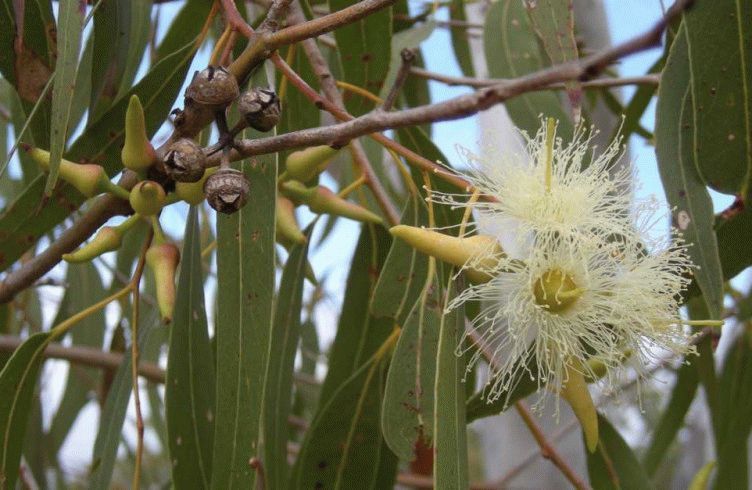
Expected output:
(88, 178)
(462, 252)
(106, 240)
(306, 164)
(147, 198)
(575, 392)
(137, 154)
(322, 200)
(163, 259)
(286, 223)
(193, 192)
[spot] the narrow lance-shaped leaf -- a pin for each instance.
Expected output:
(190, 382)
(70, 25)
(450, 467)
(245, 270)
(677, 163)
(284, 344)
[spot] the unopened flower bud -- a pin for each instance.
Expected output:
(138, 153)
(227, 190)
(462, 252)
(306, 164)
(322, 200)
(288, 231)
(147, 198)
(575, 392)
(213, 87)
(163, 259)
(193, 192)
(185, 161)
(107, 239)
(88, 178)
(261, 108)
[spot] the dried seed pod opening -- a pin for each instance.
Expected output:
(261, 108)
(227, 190)
(185, 161)
(213, 87)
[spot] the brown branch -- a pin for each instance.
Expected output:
(407, 56)
(332, 94)
(456, 108)
(102, 210)
(652, 79)
(547, 449)
(87, 356)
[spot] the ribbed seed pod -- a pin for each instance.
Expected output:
(185, 161)
(227, 190)
(261, 108)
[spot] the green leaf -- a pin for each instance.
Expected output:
(115, 407)
(17, 381)
(364, 53)
(112, 29)
(359, 333)
(190, 381)
(245, 271)
(403, 276)
(84, 287)
(553, 22)
(450, 467)
(720, 68)
(138, 37)
(284, 344)
(408, 407)
(460, 41)
(343, 448)
(511, 51)
(734, 247)
(23, 222)
(735, 423)
(677, 163)
(613, 464)
(70, 25)
(672, 418)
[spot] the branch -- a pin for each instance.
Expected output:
(652, 79)
(456, 108)
(103, 209)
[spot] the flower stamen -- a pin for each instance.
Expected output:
(550, 135)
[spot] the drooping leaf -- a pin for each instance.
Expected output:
(70, 25)
(512, 50)
(138, 37)
(614, 464)
(672, 418)
(283, 345)
(364, 53)
(720, 77)
(245, 271)
(735, 424)
(190, 381)
(677, 162)
(343, 448)
(17, 381)
(406, 39)
(460, 41)
(450, 468)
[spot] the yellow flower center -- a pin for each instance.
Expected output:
(556, 291)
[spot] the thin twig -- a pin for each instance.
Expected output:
(408, 58)
(135, 284)
(547, 449)
(651, 79)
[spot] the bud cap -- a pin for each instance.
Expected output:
(227, 190)
(147, 198)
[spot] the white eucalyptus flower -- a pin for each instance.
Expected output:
(559, 187)
(587, 279)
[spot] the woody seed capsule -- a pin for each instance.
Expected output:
(213, 87)
(227, 190)
(261, 108)
(185, 161)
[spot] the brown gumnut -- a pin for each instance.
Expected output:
(261, 108)
(227, 190)
(185, 161)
